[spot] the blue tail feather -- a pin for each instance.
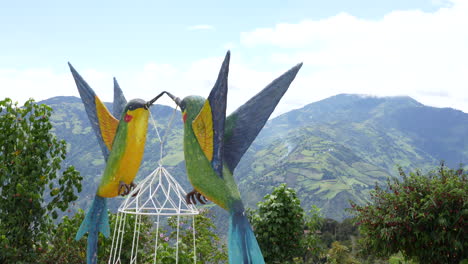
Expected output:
(242, 244)
(96, 220)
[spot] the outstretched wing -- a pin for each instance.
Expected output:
(244, 124)
(119, 100)
(102, 121)
(208, 126)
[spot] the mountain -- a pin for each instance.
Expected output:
(330, 151)
(336, 149)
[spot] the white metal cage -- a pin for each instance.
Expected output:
(160, 196)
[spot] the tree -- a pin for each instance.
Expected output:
(343, 232)
(30, 165)
(328, 231)
(62, 246)
(339, 254)
(209, 248)
(278, 224)
(423, 216)
(313, 245)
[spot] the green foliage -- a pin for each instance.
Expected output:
(30, 165)
(339, 254)
(209, 248)
(62, 248)
(279, 225)
(145, 240)
(399, 259)
(423, 216)
(312, 242)
(332, 230)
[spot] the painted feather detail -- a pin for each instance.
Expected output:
(107, 123)
(203, 129)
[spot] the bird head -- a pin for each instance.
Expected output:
(190, 107)
(135, 109)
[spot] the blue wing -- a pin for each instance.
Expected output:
(217, 100)
(119, 100)
(102, 121)
(244, 124)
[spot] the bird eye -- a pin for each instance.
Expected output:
(182, 106)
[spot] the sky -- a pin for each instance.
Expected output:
(412, 48)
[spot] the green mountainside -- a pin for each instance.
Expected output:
(330, 151)
(338, 148)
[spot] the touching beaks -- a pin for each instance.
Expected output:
(175, 98)
(151, 102)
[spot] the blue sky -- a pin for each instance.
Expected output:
(381, 48)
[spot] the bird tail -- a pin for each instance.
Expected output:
(242, 244)
(96, 220)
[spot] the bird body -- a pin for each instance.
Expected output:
(127, 152)
(213, 146)
(222, 191)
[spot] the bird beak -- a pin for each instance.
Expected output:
(151, 102)
(175, 98)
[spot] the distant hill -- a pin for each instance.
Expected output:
(330, 151)
(338, 148)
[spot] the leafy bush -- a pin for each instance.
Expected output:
(279, 225)
(313, 245)
(30, 166)
(423, 216)
(284, 232)
(339, 254)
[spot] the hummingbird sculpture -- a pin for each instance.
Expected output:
(214, 145)
(122, 142)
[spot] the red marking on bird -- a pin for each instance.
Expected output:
(184, 116)
(128, 118)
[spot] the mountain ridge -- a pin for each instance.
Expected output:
(329, 151)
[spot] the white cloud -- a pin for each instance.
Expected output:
(33, 83)
(196, 78)
(229, 46)
(423, 55)
(44, 83)
(445, 3)
(413, 53)
(200, 27)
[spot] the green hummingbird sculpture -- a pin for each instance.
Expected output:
(214, 145)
